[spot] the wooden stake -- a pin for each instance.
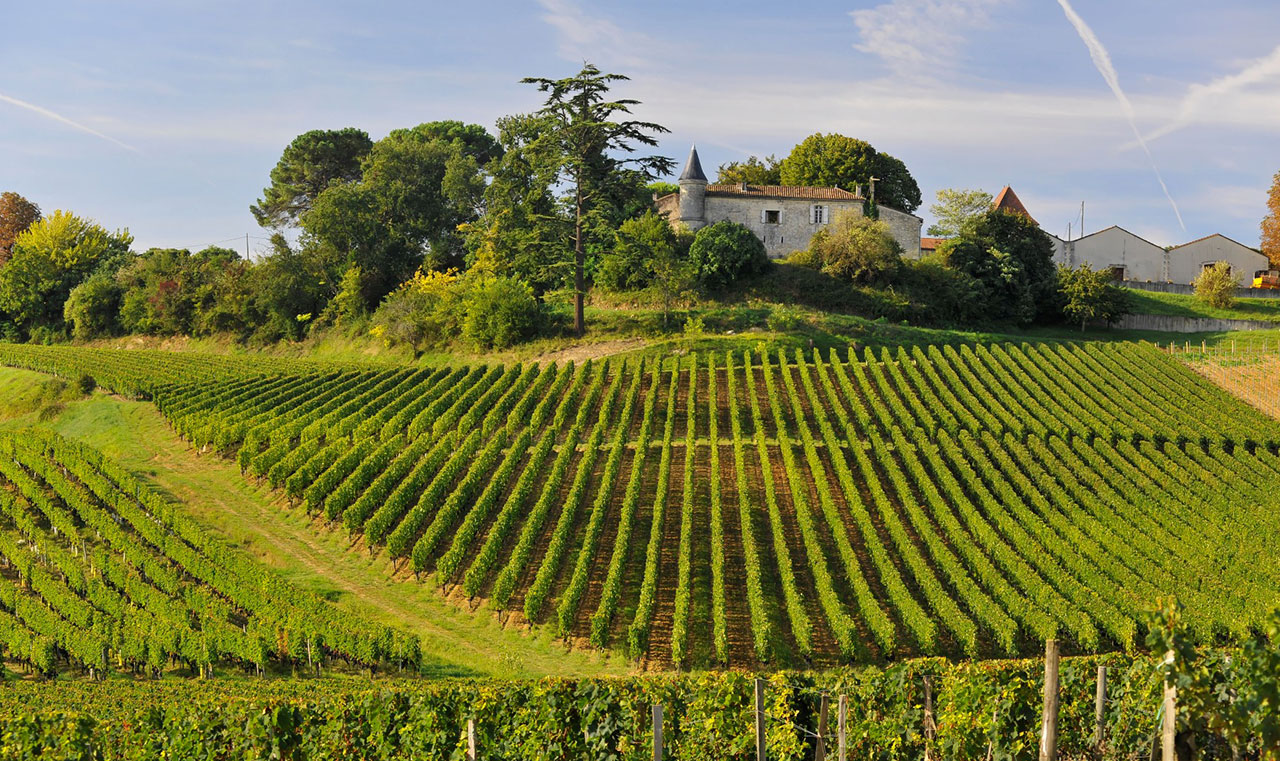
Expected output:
(657, 732)
(820, 751)
(842, 728)
(1099, 709)
(760, 756)
(1049, 725)
(929, 724)
(471, 740)
(1169, 728)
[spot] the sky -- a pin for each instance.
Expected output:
(166, 116)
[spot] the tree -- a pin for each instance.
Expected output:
(843, 162)
(50, 258)
(500, 311)
(16, 215)
(753, 171)
(637, 242)
(417, 187)
(726, 252)
(312, 162)
(1012, 261)
(578, 121)
(956, 209)
(1216, 285)
(854, 247)
(1089, 295)
(93, 307)
(1270, 224)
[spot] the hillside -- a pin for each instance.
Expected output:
(771, 509)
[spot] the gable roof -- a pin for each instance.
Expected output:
(1009, 201)
(931, 244)
(1121, 229)
(1216, 235)
(783, 191)
(693, 167)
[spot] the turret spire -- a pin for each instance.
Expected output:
(693, 167)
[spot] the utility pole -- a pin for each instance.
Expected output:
(246, 245)
(1082, 219)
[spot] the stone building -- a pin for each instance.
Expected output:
(1188, 260)
(784, 217)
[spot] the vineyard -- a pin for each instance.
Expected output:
(743, 509)
(100, 573)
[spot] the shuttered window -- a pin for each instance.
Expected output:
(818, 214)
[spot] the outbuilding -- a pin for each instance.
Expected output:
(1187, 261)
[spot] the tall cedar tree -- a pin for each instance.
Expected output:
(1271, 224)
(580, 125)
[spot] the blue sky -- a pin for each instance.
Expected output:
(166, 117)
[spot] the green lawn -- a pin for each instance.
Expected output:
(1180, 305)
(455, 640)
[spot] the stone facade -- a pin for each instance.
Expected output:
(783, 217)
(1188, 260)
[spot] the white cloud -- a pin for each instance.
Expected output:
(1227, 100)
(917, 36)
(587, 38)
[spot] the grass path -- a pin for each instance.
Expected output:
(455, 640)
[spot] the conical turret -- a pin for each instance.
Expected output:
(693, 192)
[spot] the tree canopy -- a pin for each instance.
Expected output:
(1270, 224)
(1012, 261)
(312, 162)
(16, 215)
(838, 161)
(50, 258)
(753, 171)
(1091, 295)
(855, 248)
(956, 209)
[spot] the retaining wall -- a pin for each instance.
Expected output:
(1171, 324)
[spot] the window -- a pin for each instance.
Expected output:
(771, 217)
(819, 214)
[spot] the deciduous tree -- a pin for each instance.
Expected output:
(1271, 224)
(16, 215)
(753, 171)
(856, 248)
(1091, 295)
(956, 209)
(579, 121)
(1216, 285)
(844, 162)
(1012, 260)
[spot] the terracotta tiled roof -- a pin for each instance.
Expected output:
(1009, 201)
(783, 191)
(931, 244)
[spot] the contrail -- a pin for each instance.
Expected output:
(1102, 61)
(1262, 70)
(60, 118)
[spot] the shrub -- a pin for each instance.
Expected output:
(86, 383)
(92, 307)
(637, 242)
(809, 258)
(424, 310)
(1088, 294)
(1216, 286)
(856, 248)
(500, 312)
(726, 252)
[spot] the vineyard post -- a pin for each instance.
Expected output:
(1049, 726)
(760, 756)
(1099, 708)
(929, 723)
(842, 714)
(471, 740)
(1169, 727)
(820, 751)
(657, 732)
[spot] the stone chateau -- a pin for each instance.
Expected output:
(784, 217)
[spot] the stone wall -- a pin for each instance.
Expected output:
(795, 221)
(1165, 323)
(1190, 290)
(905, 228)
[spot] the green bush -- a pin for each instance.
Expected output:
(637, 242)
(1216, 286)
(91, 308)
(500, 312)
(726, 252)
(856, 248)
